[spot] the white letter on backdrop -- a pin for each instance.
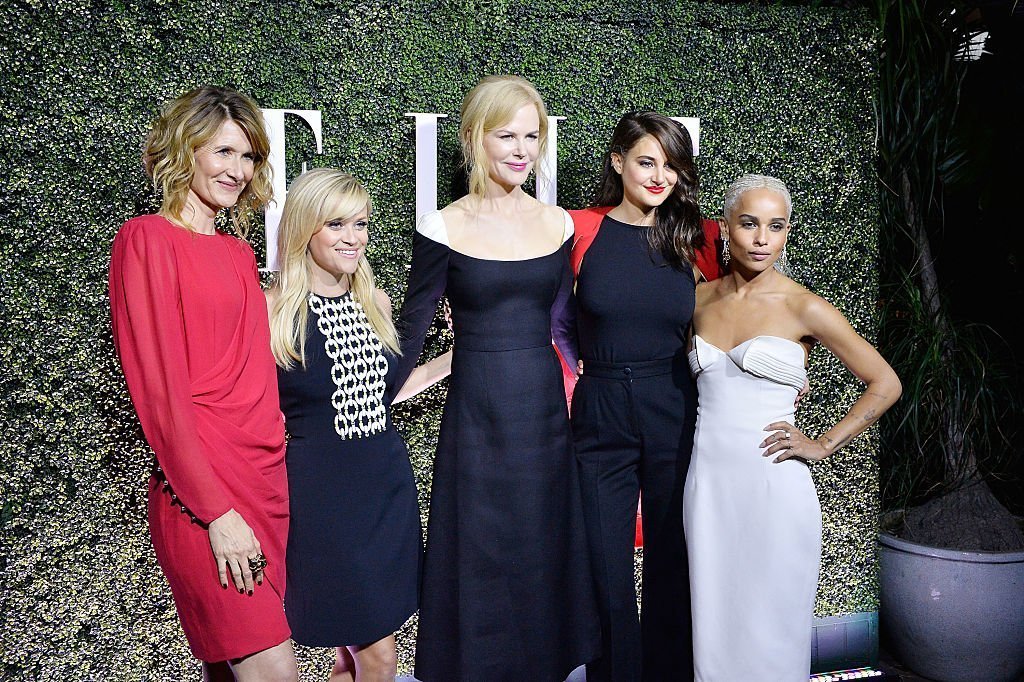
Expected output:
(275, 131)
(426, 162)
(547, 181)
(692, 126)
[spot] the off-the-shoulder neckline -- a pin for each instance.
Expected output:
(440, 230)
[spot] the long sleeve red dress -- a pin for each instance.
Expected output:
(190, 328)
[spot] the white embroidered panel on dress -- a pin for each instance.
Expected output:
(360, 366)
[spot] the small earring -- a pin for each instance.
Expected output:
(725, 252)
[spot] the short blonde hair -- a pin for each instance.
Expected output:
(750, 181)
(492, 103)
(187, 123)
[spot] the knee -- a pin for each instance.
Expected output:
(280, 670)
(343, 663)
(377, 664)
(276, 664)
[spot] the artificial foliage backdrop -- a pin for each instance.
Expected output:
(780, 90)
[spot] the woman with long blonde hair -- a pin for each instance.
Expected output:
(507, 591)
(354, 537)
(190, 328)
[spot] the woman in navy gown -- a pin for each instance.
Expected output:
(354, 539)
(507, 591)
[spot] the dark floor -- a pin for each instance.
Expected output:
(889, 665)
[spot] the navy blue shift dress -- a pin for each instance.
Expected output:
(354, 539)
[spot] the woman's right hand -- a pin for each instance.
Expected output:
(233, 544)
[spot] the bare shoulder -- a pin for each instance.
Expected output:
(805, 302)
(382, 300)
(556, 220)
(818, 316)
(550, 214)
(455, 213)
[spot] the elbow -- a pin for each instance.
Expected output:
(884, 390)
(897, 385)
(892, 388)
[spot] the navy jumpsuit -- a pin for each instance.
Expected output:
(633, 416)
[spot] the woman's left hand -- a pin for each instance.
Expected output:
(789, 441)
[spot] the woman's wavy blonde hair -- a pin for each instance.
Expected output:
(492, 103)
(189, 122)
(315, 198)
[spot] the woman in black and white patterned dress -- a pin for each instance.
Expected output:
(354, 539)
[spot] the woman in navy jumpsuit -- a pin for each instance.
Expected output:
(634, 406)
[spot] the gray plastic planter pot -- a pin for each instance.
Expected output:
(950, 615)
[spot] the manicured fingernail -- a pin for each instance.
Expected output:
(250, 593)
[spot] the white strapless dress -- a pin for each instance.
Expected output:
(753, 528)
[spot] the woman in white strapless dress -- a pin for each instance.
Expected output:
(751, 514)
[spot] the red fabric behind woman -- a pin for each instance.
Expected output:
(190, 327)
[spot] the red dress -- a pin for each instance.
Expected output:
(190, 327)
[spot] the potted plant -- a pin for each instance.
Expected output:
(951, 554)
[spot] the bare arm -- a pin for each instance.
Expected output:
(422, 376)
(882, 387)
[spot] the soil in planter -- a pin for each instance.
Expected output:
(967, 519)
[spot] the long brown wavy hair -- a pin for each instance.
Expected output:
(677, 233)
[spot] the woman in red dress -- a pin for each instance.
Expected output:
(191, 331)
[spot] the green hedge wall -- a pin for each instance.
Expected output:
(780, 90)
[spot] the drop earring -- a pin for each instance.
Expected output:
(725, 252)
(782, 264)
